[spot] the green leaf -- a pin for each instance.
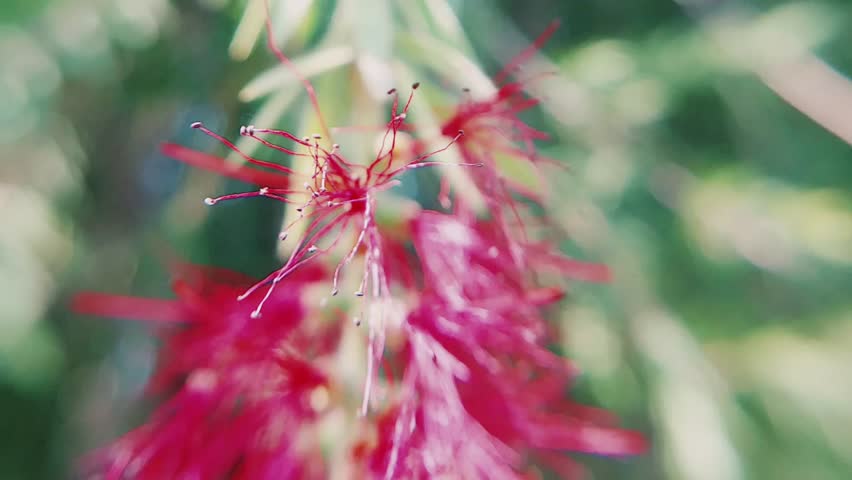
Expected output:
(312, 64)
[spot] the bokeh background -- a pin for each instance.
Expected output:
(709, 165)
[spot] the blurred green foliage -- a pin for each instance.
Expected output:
(724, 211)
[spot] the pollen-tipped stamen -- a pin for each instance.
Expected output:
(250, 132)
(309, 88)
(263, 192)
(418, 162)
(232, 147)
(392, 129)
(299, 256)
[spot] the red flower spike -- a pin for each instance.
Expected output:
(309, 88)
(221, 166)
(492, 128)
(528, 52)
(475, 392)
(480, 388)
(337, 194)
(244, 386)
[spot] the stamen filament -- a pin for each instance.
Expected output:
(309, 88)
(231, 146)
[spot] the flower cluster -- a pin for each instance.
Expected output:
(480, 388)
(242, 393)
(480, 395)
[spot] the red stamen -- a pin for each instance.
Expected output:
(417, 162)
(121, 306)
(528, 52)
(250, 132)
(393, 128)
(263, 192)
(296, 259)
(282, 133)
(219, 165)
(309, 88)
(231, 146)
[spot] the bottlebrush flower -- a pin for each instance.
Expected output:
(480, 390)
(480, 394)
(493, 130)
(339, 194)
(491, 125)
(239, 389)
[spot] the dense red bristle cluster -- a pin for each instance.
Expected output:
(238, 389)
(484, 119)
(481, 390)
(335, 195)
(472, 389)
(493, 129)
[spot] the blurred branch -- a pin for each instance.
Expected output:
(776, 47)
(815, 89)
